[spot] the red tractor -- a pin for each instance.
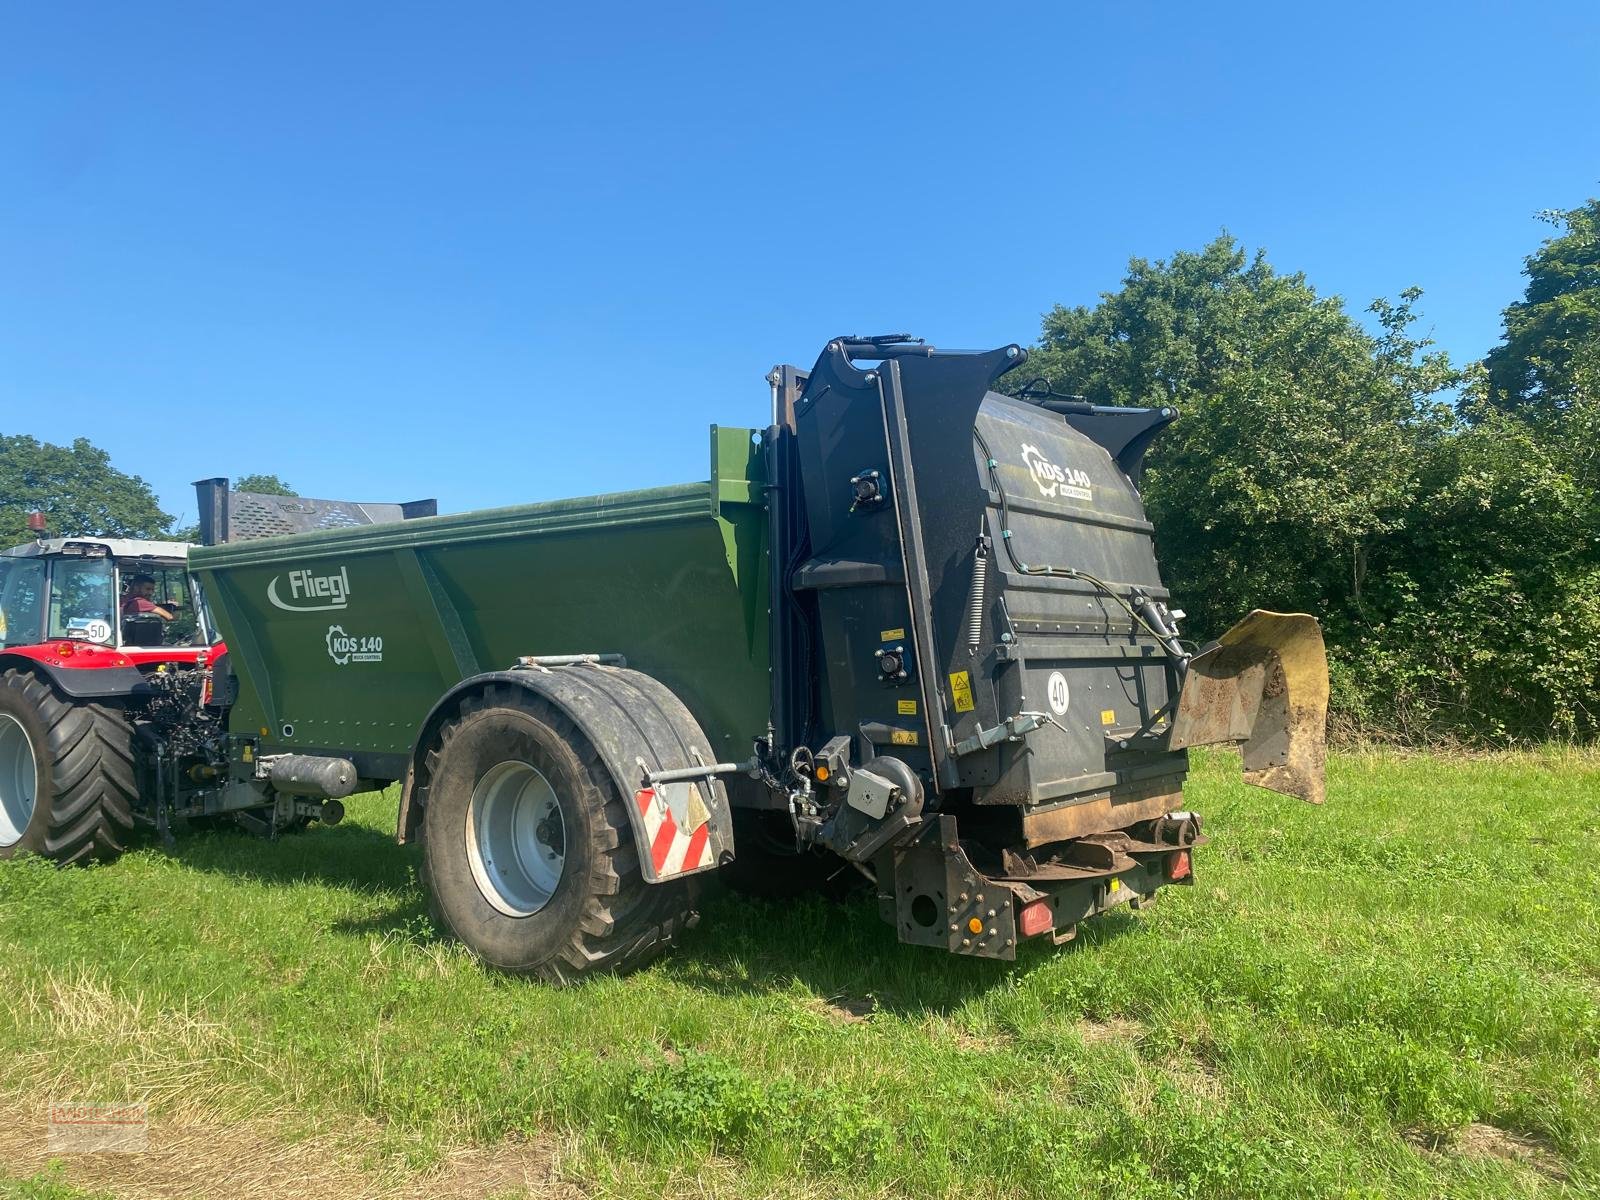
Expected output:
(85, 625)
(114, 685)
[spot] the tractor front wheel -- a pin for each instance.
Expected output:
(527, 853)
(67, 786)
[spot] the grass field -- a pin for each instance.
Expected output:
(1395, 995)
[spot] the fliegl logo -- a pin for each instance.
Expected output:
(1067, 482)
(305, 591)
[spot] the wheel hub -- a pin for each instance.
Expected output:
(516, 838)
(19, 780)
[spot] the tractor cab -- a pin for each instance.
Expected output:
(88, 595)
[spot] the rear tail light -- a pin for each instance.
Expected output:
(1178, 866)
(1036, 918)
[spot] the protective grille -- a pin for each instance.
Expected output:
(228, 516)
(243, 516)
(252, 515)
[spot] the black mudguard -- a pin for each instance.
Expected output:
(637, 724)
(99, 683)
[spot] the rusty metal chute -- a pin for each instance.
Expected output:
(1263, 683)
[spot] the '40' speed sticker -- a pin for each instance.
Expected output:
(1058, 693)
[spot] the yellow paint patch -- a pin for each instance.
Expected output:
(698, 813)
(903, 737)
(961, 690)
(893, 635)
(1108, 717)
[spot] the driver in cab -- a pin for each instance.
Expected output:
(137, 600)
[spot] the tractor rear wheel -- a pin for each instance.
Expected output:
(67, 787)
(527, 853)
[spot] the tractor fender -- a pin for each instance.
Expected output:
(636, 723)
(76, 683)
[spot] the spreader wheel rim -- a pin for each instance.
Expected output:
(516, 838)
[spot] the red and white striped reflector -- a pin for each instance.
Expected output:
(1178, 866)
(673, 851)
(1036, 918)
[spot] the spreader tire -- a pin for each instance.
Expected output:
(76, 802)
(527, 854)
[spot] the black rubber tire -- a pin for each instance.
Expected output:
(602, 915)
(86, 791)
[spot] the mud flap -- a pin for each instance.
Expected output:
(1264, 683)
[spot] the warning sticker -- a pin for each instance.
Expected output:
(961, 690)
(893, 635)
(908, 708)
(903, 737)
(1108, 717)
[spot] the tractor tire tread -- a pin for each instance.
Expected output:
(91, 786)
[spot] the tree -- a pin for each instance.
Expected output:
(263, 485)
(1451, 551)
(77, 489)
(1486, 611)
(1554, 328)
(1300, 435)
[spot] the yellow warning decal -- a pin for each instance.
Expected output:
(893, 635)
(908, 708)
(961, 690)
(1108, 717)
(903, 737)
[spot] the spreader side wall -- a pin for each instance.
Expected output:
(344, 640)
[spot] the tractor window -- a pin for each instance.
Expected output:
(156, 606)
(21, 601)
(80, 599)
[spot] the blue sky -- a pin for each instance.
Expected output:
(500, 252)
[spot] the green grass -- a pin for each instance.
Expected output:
(1352, 1001)
(49, 1184)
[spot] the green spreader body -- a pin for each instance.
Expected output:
(343, 640)
(913, 629)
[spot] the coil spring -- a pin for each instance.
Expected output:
(980, 577)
